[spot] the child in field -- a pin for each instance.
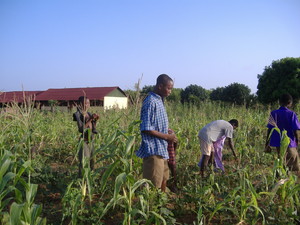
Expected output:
(172, 162)
(154, 132)
(86, 123)
(213, 135)
(285, 119)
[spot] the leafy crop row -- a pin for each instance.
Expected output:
(39, 167)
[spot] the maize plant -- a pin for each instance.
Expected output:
(41, 147)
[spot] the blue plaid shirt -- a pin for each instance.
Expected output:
(153, 117)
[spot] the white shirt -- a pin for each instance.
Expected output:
(216, 130)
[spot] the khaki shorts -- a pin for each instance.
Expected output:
(156, 169)
(206, 148)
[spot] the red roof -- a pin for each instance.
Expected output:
(18, 96)
(72, 94)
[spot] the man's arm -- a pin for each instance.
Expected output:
(76, 117)
(166, 137)
(231, 146)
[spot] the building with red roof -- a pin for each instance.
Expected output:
(18, 96)
(108, 97)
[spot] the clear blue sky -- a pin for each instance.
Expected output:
(88, 43)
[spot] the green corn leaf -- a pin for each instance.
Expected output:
(25, 165)
(295, 191)
(4, 203)
(254, 201)
(89, 182)
(4, 167)
(35, 212)
(253, 191)
(159, 217)
(111, 203)
(107, 173)
(272, 130)
(18, 195)
(26, 213)
(129, 144)
(6, 191)
(41, 221)
(140, 183)
(110, 156)
(23, 182)
(120, 179)
(217, 208)
(284, 143)
(137, 211)
(9, 176)
(111, 139)
(125, 162)
(31, 193)
(260, 211)
(107, 207)
(217, 187)
(15, 213)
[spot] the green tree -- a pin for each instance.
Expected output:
(132, 95)
(147, 88)
(194, 93)
(175, 96)
(282, 76)
(236, 93)
(217, 94)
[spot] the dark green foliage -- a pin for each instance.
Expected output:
(252, 100)
(194, 94)
(147, 88)
(234, 93)
(175, 96)
(282, 76)
(133, 96)
(217, 94)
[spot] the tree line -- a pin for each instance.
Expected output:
(282, 76)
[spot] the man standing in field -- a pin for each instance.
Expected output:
(285, 119)
(154, 131)
(86, 123)
(212, 133)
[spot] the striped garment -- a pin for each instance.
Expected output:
(153, 117)
(171, 150)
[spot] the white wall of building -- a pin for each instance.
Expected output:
(115, 102)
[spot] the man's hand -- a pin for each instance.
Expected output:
(172, 138)
(95, 116)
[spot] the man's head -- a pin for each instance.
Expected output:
(286, 100)
(164, 85)
(84, 102)
(234, 123)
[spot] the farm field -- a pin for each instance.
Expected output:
(39, 181)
